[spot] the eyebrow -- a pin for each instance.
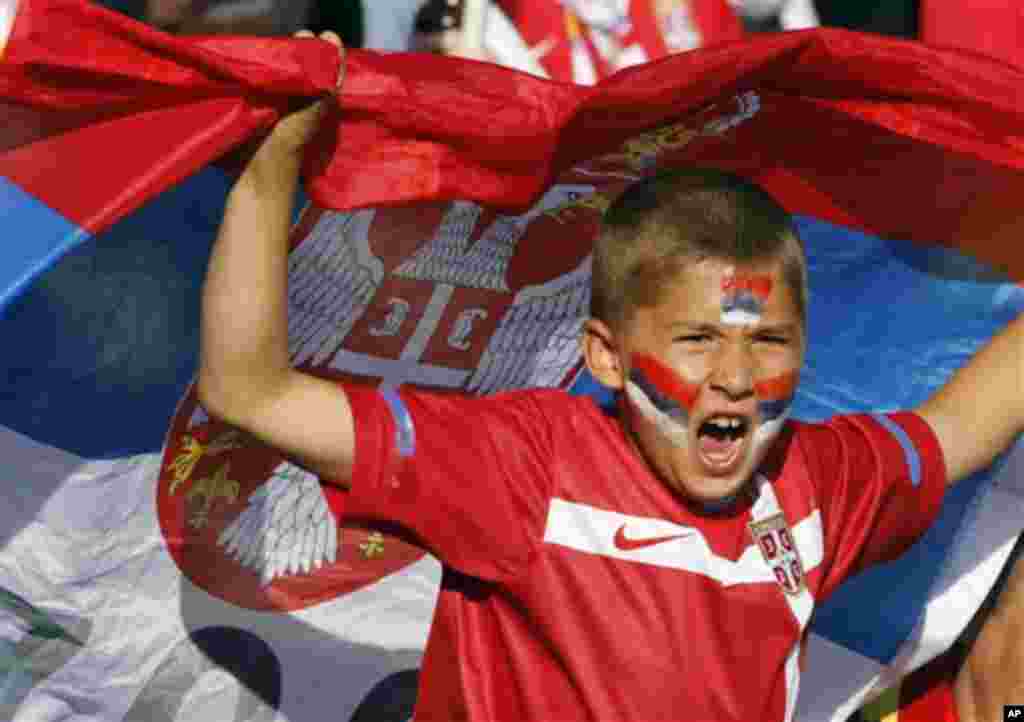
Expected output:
(704, 326)
(779, 328)
(692, 326)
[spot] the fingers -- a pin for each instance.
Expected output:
(331, 37)
(334, 40)
(328, 35)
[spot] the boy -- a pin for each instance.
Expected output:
(662, 564)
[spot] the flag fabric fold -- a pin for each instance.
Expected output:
(990, 27)
(82, 84)
(438, 128)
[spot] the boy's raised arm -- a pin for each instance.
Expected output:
(980, 410)
(245, 375)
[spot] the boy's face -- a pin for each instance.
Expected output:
(708, 374)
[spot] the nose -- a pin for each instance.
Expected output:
(733, 370)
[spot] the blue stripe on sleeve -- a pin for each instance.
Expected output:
(909, 450)
(405, 433)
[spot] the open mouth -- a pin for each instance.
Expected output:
(720, 440)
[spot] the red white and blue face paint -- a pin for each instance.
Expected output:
(662, 396)
(667, 400)
(774, 399)
(744, 297)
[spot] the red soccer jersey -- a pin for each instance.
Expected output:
(578, 586)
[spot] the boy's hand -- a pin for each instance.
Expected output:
(296, 129)
(275, 164)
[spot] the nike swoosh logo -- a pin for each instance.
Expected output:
(626, 544)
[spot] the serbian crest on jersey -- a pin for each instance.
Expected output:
(775, 540)
(449, 296)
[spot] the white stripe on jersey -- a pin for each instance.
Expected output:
(589, 529)
(674, 546)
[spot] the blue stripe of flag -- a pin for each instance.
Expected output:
(100, 339)
(35, 238)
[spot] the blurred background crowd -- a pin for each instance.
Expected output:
(585, 40)
(393, 24)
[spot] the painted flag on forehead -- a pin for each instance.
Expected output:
(196, 575)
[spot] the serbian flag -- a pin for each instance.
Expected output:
(156, 565)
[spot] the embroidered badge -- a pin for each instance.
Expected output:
(779, 551)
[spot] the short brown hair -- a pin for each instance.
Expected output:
(669, 219)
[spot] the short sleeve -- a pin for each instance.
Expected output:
(880, 480)
(468, 477)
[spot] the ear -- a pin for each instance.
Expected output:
(602, 354)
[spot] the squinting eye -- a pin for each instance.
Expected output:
(693, 338)
(778, 340)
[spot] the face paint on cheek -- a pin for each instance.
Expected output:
(662, 396)
(774, 398)
(744, 297)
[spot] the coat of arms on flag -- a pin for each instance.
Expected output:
(441, 295)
